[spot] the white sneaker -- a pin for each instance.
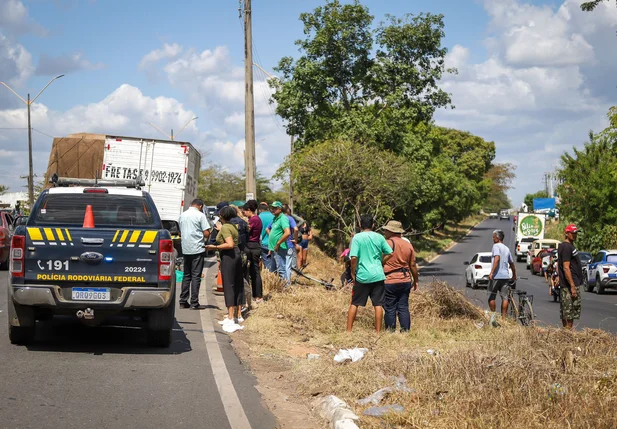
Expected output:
(240, 319)
(226, 321)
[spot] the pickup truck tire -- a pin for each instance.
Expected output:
(22, 335)
(4, 265)
(160, 325)
(21, 323)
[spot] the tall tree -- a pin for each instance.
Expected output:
(3, 189)
(589, 6)
(500, 177)
(337, 183)
(363, 84)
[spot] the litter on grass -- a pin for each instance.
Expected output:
(232, 327)
(382, 411)
(354, 354)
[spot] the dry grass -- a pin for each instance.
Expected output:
(480, 377)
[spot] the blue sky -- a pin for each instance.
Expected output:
(534, 76)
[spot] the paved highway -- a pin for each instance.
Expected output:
(80, 377)
(598, 311)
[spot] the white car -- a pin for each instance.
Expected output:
(493, 215)
(478, 270)
(602, 272)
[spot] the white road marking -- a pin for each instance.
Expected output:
(233, 407)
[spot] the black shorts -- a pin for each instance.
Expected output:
(361, 292)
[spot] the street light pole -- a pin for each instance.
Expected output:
(171, 136)
(28, 104)
(30, 172)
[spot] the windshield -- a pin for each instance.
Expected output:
(108, 210)
(611, 258)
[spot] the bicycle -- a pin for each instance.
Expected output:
(300, 273)
(523, 310)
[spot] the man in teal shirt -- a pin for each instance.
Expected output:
(266, 219)
(277, 242)
(369, 252)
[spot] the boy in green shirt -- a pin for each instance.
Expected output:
(277, 242)
(369, 252)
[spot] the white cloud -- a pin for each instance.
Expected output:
(64, 64)
(125, 111)
(15, 62)
(538, 93)
(166, 52)
(211, 80)
(14, 19)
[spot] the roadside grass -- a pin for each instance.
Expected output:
(476, 376)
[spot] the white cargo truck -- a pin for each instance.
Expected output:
(169, 169)
(529, 228)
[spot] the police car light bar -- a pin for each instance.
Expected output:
(68, 181)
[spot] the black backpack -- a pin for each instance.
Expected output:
(243, 232)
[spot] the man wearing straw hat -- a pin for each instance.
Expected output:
(399, 270)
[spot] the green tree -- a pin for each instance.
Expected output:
(336, 184)
(589, 6)
(500, 177)
(589, 186)
(217, 184)
(530, 197)
(360, 83)
(3, 189)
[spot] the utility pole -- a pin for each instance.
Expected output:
(249, 106)
(291, 182)
(30, 172)
(28, 103)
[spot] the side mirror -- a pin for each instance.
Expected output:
(466, 263)
(21, 221)
(174, 230)
(171, 226)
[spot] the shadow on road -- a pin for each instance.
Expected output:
(65, 335)
(431, 271)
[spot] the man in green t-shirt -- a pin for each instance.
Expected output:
(369, 252)
(277, 242)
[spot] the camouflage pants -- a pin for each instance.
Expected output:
(570, 307)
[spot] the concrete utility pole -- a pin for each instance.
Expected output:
(28, 103)
(249, 106)
(30, 172)
(291, 182)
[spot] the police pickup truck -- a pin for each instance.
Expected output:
(92, 249)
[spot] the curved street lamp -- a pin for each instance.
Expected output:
(28, 103)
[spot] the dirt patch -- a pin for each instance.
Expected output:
(274, 375)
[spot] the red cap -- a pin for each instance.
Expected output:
(571, 228)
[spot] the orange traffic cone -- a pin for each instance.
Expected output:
(219, 281)
(89, 217)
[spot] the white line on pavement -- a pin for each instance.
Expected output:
(233, 407)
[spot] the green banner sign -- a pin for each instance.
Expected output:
(530, 226)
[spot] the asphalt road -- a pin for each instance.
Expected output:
(106, 377)
(598, 311)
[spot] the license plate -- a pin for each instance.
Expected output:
(91, 294)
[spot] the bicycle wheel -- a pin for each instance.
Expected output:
(512, 309)
(526, 316)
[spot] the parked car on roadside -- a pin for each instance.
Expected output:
(493, 215)
(504, 214)
(601, 272)
(7, 226)
(478, 270)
